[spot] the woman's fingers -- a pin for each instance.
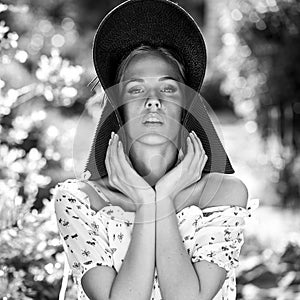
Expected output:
(123, 159)
(121, 154)
(120, 162)
(203, 157)
(204, 162)
(198, 140)
(116, 170)
(126, 166)
(190, 152)
(197, 153)
(197, 146)
(199, 149)
(127, 158)
(123, 163)
(107, 159)
(119, 165)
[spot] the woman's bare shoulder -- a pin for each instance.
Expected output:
(96, 200)
(106, 195)
(223, 189)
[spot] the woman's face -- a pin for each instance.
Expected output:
(150, 87)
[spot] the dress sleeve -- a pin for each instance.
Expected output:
(82, 232)
(220, 237)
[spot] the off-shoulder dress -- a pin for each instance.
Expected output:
(101, 238)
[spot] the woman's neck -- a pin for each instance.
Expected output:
(153, 162)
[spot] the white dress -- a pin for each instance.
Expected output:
(102, 238)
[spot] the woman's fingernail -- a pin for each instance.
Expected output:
(112, 134)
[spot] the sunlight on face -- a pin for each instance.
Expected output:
(152, 84)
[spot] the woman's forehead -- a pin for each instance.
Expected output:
(150, 65)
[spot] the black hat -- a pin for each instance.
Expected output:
(157, 23)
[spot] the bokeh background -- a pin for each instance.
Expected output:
(252, 85)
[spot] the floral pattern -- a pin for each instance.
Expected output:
(102, 238)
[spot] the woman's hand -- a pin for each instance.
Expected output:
(190, 195)
(115, 197)
(187, 172)
(123, 177)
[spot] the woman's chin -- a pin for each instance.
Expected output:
(153, 137)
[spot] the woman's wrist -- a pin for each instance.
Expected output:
(164, 206)
(148, 196)
(145, 213)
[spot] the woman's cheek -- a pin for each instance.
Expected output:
(131, 120)
(128, 112)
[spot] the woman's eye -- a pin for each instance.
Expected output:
(169, 89)
(135, 90)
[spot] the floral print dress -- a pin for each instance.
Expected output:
(102, 238)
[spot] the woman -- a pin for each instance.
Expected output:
(154, 222)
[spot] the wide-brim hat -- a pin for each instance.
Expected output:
(157, 23)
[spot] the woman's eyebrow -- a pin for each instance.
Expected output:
(142, 80)
(122, 86)
(133, 80)
(168, 77)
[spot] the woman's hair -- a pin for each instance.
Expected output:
(170, 55)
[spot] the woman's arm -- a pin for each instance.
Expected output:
(191, 195)
(135, 277)
(178, 278)
(210, 276)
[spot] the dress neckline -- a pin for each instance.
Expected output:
(206, 209)
(251, 203)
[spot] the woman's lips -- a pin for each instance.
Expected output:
(152, 118)
(153, 124)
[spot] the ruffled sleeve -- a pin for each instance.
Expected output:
(82, 231)
(220, 237)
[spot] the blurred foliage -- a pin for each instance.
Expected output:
(267, 274)
(260, 63)
(27, 144)
(31, 258)
(211, 93)
(31, 254)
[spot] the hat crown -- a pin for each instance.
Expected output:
(150, 22)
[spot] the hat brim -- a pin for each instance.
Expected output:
(155, 23)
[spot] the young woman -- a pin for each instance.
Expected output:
(152, 221)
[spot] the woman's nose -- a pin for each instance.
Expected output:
(153, 102)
